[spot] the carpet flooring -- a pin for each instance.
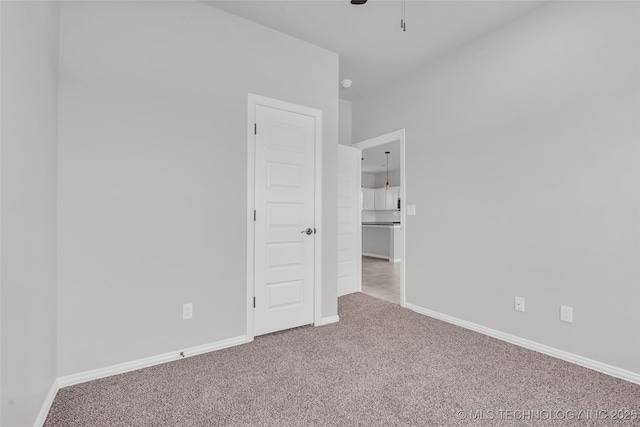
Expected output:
(381, 365)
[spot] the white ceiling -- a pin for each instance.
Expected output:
(375, 160)
(373, 49)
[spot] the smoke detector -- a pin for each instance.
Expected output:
(346, 83)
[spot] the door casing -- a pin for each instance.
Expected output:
(253, 101)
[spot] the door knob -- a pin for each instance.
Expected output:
(309, 231)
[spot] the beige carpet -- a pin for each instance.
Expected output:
(382, 365)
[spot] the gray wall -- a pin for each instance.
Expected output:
(381, 179)
(522, 158)
(368, 180)
(344, 132)
(28, 228)
(153, 153)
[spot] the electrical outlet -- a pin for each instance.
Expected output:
(411, 209)
(519, 304)
(187, 311)
(566, 313)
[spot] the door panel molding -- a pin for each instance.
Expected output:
(253, 102)
(349, 230)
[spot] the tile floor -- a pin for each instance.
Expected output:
(381, 279)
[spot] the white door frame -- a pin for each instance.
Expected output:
(398, 135)
(253, 101)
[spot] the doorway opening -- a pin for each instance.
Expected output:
(383, 216)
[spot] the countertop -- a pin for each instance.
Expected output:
(381, 224)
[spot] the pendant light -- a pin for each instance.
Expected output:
(387, 186)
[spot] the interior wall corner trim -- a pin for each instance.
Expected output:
(46, 405)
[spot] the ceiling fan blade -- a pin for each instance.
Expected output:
(358, 1)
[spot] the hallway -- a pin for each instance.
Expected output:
(381, 279)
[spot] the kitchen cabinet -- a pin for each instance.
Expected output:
(380, 199)
(368, 202)
(391, 198)
(382, 241)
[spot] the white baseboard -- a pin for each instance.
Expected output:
(121, 368)
(387, 257)
(329, 320)
(147, 362)
(46, 405)
(532, 345)
(376, 255)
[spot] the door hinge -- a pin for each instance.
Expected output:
(254, 302)
(255, 128)
(254, 214)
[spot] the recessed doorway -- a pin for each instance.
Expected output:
(382, 217)
(381, 278)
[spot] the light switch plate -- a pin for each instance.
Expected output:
(411, 209)
(187, 311)
(566, 313)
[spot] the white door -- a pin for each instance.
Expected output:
(284, 221)
(348, 220)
